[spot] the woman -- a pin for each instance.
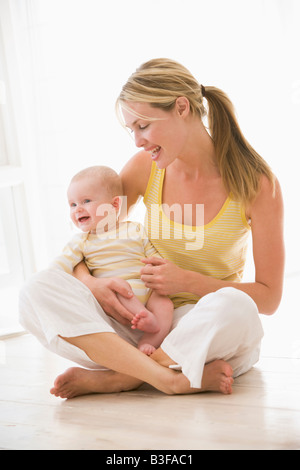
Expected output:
(182, 169)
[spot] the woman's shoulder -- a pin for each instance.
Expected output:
(269, 198)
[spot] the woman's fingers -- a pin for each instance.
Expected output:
(122, 315)
(116, 310)
(151, 265)
(122, 287)
(154, 261)
(106, 295)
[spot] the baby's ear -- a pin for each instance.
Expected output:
(116, 203)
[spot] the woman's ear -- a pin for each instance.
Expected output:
(183, 106)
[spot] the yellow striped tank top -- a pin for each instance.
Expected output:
(217, 249)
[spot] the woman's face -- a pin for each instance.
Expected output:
(162, 133)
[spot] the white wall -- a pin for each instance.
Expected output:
(80, 52)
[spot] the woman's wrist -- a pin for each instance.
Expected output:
(82, 273)
(87, 279)
(191, 282)
(199, 284)
(91, 282)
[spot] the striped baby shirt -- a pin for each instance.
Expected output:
(116, 253)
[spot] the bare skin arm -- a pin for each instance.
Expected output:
(105, 290)
(135, 176)
(266, 215)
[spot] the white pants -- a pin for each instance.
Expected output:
(222, 325)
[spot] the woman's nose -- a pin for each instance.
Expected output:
(139, 140)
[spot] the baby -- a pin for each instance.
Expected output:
(111, 248)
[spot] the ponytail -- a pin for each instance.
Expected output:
(239, 164)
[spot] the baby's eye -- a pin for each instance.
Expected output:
(86, 201)
(72, 204)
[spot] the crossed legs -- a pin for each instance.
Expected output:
(129, 368)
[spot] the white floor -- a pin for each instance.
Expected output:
(262, 413)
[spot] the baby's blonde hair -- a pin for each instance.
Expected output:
(159, 82)
(105, 176)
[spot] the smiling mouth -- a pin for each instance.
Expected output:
(155, 152)
(83, 219)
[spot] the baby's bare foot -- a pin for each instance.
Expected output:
(145, 321)
(147, 349)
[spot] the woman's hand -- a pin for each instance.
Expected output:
(105, 290)
(163, 276)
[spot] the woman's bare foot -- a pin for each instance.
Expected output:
(217, 377)
(77, 381)
(145, 321)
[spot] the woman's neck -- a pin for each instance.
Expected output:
(198, 157)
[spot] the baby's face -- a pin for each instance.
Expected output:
(89, 205)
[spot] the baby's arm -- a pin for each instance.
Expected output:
(72, 255)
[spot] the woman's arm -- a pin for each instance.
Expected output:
(135, 176)
(266, 216)
(105, 290)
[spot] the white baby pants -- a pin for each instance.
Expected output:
(222, 325)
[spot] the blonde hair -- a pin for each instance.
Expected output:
(103, 176)
(159, 82)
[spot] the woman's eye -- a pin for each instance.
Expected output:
(143, 127)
